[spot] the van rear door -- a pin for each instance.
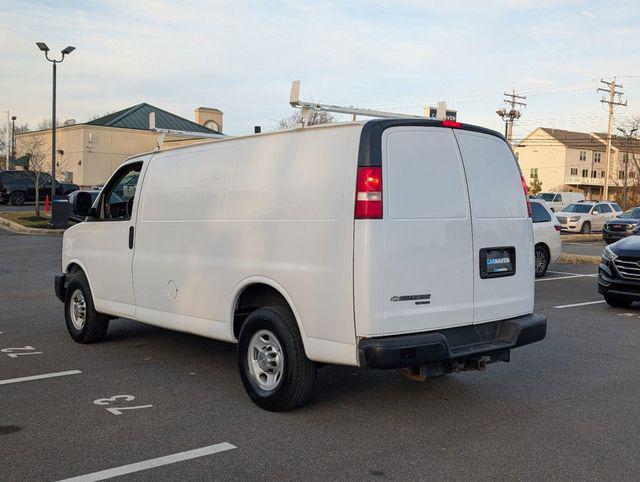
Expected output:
(502, 232)
(414, 267)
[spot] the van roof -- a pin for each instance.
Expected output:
(369, 142)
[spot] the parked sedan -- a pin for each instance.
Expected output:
(586, 216)
(622, 226)
(619, 272)
(546, 236)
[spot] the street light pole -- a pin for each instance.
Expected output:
(13, 139)
(43, 47)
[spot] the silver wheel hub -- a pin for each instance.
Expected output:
(78, 309)
(265, 360)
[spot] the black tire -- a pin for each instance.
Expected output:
(95, 324)
(298, 373)
(586, 228)
(17, 198)
(617, 302)
(541, 261)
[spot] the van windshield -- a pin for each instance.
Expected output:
(546, 196)
(578, 208)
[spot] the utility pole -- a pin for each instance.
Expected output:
(612, 102)
(508, 116)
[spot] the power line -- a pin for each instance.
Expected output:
(508, 116)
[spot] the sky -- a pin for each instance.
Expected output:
(241, 56)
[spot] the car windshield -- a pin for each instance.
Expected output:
(577, 208)
(545, 196)
(631, 214)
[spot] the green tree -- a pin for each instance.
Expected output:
(535, 187)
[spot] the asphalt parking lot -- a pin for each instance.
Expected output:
(565, 408)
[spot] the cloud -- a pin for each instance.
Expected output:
(586, 13)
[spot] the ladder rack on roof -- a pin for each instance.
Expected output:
(178, 133)
(308, 107)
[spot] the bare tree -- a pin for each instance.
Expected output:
(295, 119)
(33, 146)
(3, 139)
(629, 164)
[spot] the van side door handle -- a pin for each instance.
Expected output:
(131, 229)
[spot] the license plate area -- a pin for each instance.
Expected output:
(497, 262)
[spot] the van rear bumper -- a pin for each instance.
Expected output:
(452, 345)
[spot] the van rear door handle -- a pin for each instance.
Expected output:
(130, 237)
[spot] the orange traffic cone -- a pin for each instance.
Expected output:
(46, 204)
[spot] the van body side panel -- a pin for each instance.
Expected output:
(274, 206)
(414, 268)
(500, 219)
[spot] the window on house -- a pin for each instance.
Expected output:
(601, 173)
(620, 174)
(632, 175)
(594, 174)
(517, 157)
(574, 171)
(583, 155)
(585, 173)
(625, 157)
(534, 173)
(597, 156)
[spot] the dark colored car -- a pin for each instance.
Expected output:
(622, 226)
(619, 272)
(75, 216)
(18, 187)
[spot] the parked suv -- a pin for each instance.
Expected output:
(587, 216)
(619, 272)
(327, 244)
(546, 236)
(18, 187)
(622, 226)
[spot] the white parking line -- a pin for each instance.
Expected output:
(39, 377)
(580, 304)
(568, 277)
(149, 464)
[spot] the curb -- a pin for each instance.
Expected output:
(567, 258)
(576, 238)
(20, 229)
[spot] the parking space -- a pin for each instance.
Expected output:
(591, 248)
(148, 403)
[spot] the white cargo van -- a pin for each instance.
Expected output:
(557, 201)
(397, 243)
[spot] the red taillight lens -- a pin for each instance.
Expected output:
(557, 226)
(450, 123)
(526, 194)
(369, 193)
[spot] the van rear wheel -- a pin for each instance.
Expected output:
(84, 323)
(275, 372)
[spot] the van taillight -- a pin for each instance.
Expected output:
(369, 193)
(450, 123)
(526, 194)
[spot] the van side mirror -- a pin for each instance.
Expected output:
(82, 204)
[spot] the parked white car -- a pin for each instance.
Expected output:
(329, 244)
(587, 216)
(557, 201)
(546, 236)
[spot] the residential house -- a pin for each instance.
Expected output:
(575, 161)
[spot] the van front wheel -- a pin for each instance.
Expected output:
(275, 372)
(84, 323)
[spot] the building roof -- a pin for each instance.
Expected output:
(137, 117)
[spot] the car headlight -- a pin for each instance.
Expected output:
(608, 254)
(573, 219)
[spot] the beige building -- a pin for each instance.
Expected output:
(88, 153)
(575, 161)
